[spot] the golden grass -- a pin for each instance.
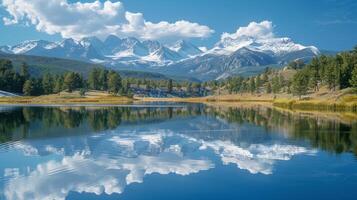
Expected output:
(344, 103)
(217, 98)
(92, 97)
(324, 100)
(329, 101)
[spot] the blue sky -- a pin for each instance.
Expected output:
(327, 24)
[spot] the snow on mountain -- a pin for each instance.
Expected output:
(231, 54)
(113, 50)
(186, 49)
(30, 46)
(275, 46)
(226, 58)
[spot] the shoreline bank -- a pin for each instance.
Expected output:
(343, 104)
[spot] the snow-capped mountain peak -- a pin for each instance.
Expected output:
(186, 49)
(29, 45)
(277, 46)
(183, 58)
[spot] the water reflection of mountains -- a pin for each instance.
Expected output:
(36, 122)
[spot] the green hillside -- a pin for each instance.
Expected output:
(39, 65)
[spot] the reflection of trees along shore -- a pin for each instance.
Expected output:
(325, 133)
(15, 123)
(328, 134)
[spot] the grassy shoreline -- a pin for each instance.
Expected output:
(95, 98)
(345, 102)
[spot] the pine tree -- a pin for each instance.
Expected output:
(169, 86)
(300, 83)
(93, 79)
(314, 75)
(47, 84)
(265, 77)
(268, 88)
(257, 83)
(275, 85)
(6, 75)
(353, 80)
(114, 82)
(252, 85)
(17, 83)
(338, 64)
(103, 79)
(69, 83)
(58, 86)
(330, 75)
(24, 71)
(28, 88)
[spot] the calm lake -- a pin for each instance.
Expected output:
(175, 151)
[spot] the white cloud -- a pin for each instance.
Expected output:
(89, 165)
(81, 173)
(255, 30)
(256, 158)
(78, 20)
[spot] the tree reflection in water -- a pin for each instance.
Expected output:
(332, 135)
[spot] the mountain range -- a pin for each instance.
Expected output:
(228, 57)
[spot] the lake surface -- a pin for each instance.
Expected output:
(175, 151)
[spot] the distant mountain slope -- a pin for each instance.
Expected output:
(231, 55)
(113, 51)
(39, 65)
(225, 59)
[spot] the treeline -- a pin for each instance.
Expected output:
(98, 79)
(10, 80)
(335, 72)
(22, 82)
(17, 123)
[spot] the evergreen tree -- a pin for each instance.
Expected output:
(69, 82)
(353, 80)
(58, 86)
(24, 71)
(257, 83)
(338, 64)
(126, 87)
(169, 86)
(47, 84)
(78, 81)
(38, 90)
(93, 79)
(17, 83)
(265, 77)
(281, 81)
(268, 88)
(114, 82)
(252, 85)
(330, 75)
(28, 88)
(275, 84)
(314, 75)
(300, 83)
(103, 79)
(6, 75)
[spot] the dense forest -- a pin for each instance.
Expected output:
(333, 72)
(98, 79)
(22, 82)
